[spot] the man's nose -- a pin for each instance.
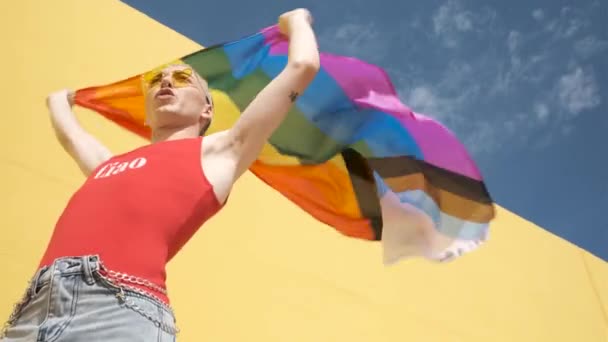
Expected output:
(166, 82)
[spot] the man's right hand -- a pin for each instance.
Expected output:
(293, 18)
(58, 97)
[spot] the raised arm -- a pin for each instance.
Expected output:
(79, 144)
(266, 112)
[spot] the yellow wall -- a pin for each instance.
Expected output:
(262, 270)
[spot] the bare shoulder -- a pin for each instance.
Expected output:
(218, 163)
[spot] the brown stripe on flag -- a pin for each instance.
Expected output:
(450, 203)
(364, 186)
(389, 167)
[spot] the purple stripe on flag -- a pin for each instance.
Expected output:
(439, 145)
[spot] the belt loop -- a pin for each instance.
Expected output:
(33, 284)
(34, 281)
(88, 272)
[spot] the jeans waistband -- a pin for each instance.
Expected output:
(85, 265)
(91, 270)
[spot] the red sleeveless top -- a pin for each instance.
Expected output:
(137, 210)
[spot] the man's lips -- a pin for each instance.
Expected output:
(165, 92)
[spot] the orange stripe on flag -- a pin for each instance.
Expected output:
(325, 191)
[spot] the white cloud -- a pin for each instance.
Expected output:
(433, 102)
(454, 101)
(423, 99)
(458, 77)
(450, 20)
(578, 91)
(534, 56)
(542, 111)
(590, 46)
(428, 101)
(456, 90)
(570, 22)
(463, 22)
(484, 136)
(574, 25)
(518, 67)
(347, 39)
(511, 126)
(481, 136)
(552, 25)
(513, 41)
(527, 91)
(567, 130)
(543, 141)
(451, 16)
(538, 14)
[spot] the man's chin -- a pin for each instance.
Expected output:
(168, 108)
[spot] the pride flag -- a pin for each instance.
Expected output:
(349, 152)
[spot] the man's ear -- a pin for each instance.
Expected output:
(205, 123)
(207, 112)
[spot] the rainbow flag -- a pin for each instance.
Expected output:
(349, 152)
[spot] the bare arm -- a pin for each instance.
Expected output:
(266, 112)
(79, 144)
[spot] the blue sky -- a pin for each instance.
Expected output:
(524, 84)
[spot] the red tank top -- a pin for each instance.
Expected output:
(137, 210)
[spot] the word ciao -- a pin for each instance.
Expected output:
(119, 167)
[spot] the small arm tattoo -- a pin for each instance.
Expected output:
(293, 96)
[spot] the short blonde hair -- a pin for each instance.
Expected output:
(205, 88)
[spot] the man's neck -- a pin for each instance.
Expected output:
(174, 133)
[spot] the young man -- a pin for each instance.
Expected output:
(102, 277)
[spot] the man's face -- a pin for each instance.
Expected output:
(175, 97)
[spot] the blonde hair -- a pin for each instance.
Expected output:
(207, 93)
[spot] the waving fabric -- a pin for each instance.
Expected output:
(347, 150)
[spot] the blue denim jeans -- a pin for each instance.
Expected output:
(71, 301)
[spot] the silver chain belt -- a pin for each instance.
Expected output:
(118, 280)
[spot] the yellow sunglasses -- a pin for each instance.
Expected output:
(180, 78)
